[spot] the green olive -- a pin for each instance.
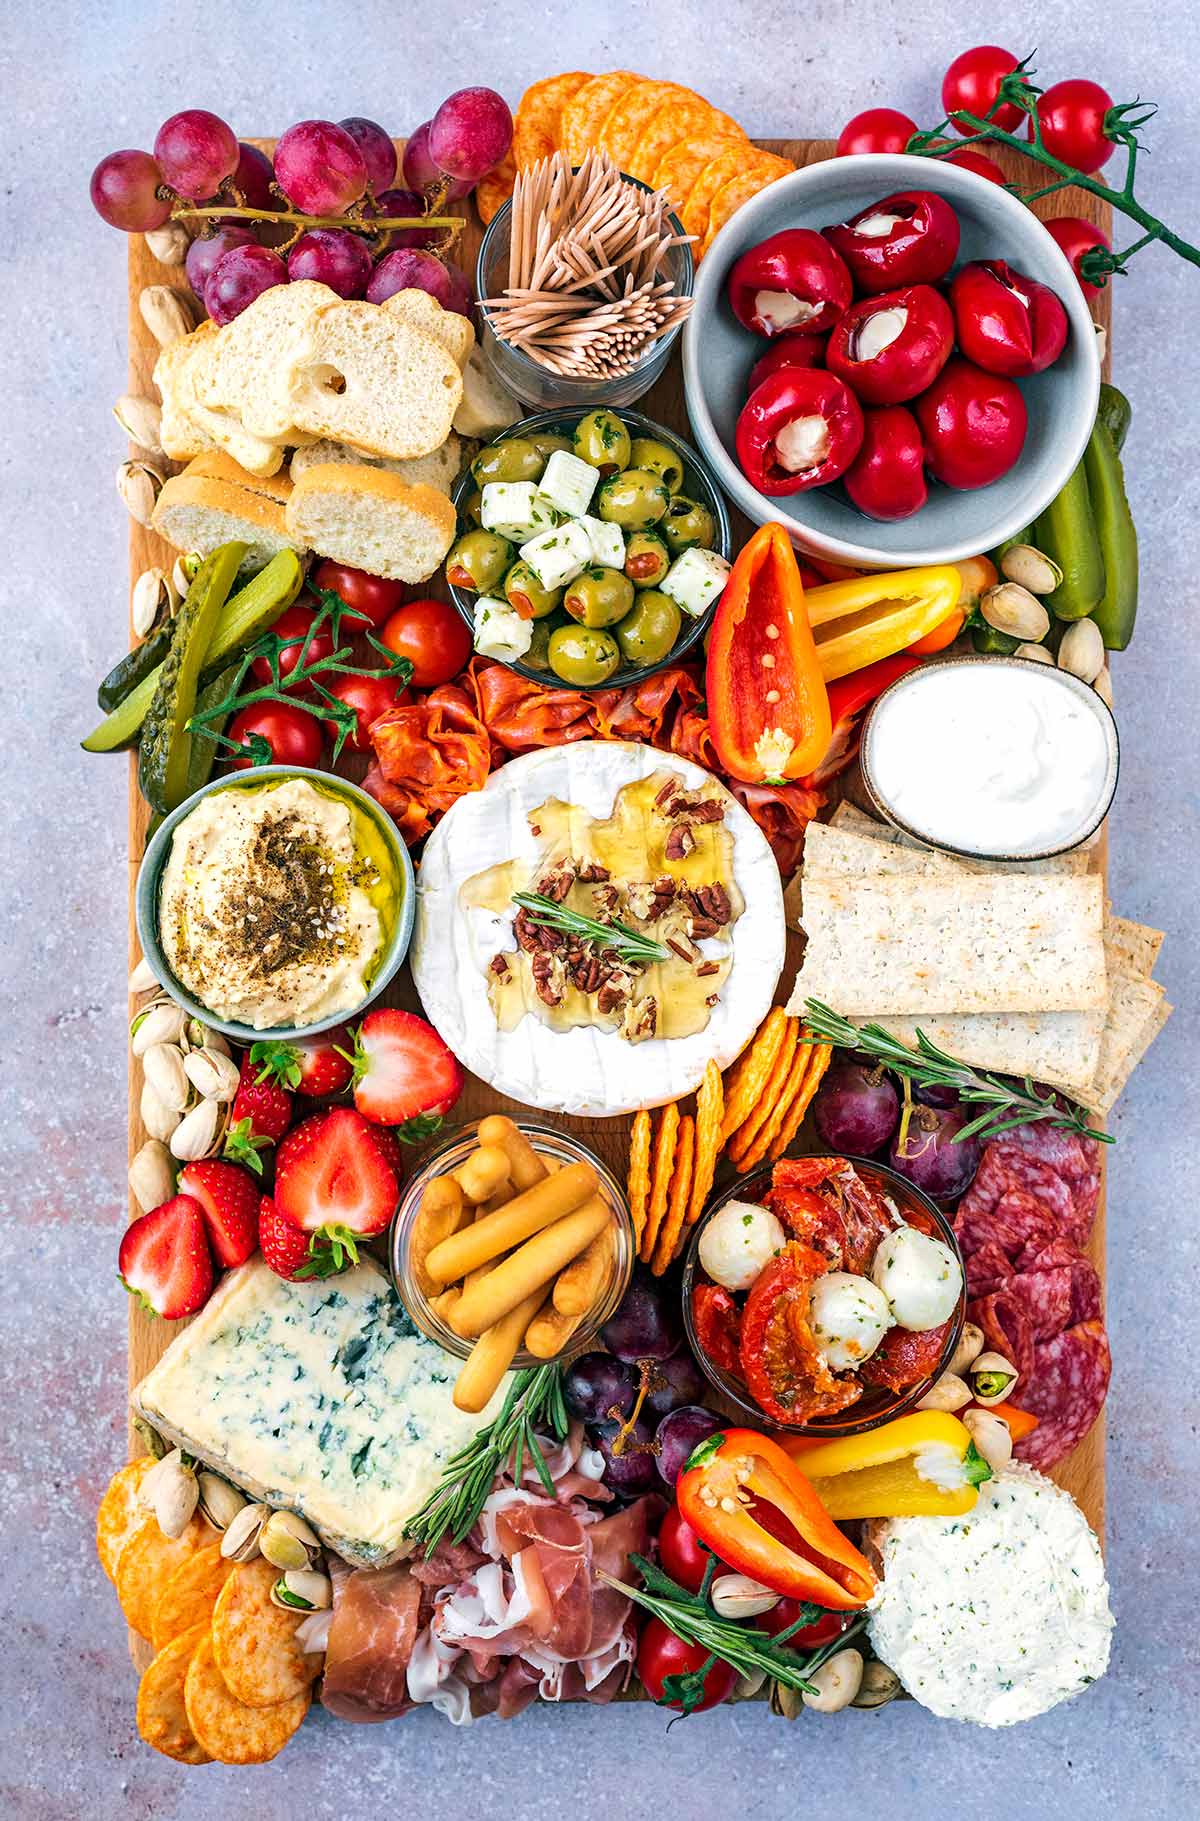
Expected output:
(648, 634)
(647, 559)
(547, 441)
(471, 506)
(523, 591)
(582, 656)
(657, 458)
(479, 560)
(599, 597)
(633, 499)
(514, 459)
(538, 655)
(688, 525)
(602, 439)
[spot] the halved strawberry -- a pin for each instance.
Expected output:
(288, 1249)
(403, 1070)
(260, 1115)
(332, 1178)
(164, 1259)
(315, 1066)
(228, 1198)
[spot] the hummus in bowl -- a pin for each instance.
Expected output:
(277, 901)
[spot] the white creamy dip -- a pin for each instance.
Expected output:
(991, 758)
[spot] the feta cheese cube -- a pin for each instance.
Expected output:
(515, 509)
(558, 556)
(607, 541)
(500, 632)
(695, 580)
(569, 482)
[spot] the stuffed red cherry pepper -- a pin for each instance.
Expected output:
(800, 428)
(889, 348)
(910, 238)
(886, 479)
(792, 283)
(1006, 321)
(973, 425)
(787, 351)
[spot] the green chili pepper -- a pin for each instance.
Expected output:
(1066, 532)
(1117, 609)
(1115, 413)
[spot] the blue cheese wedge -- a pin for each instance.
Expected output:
(322, 1397)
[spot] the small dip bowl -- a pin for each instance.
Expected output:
(939, 763)
(396, 940)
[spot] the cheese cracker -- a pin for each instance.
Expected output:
(588, 109)
(161, 1709)
(743, 1139)
(120, 1512)
(681, 1187)
(821, 1056)
(254, 1641)
(189, 1594)
(225, 1727)
(710, 1108)
(664, 1156)
(638, 1181)
(751, 1071)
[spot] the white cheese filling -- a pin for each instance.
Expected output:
(802, 444)
(779, 310)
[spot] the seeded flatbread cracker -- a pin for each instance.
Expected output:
(225, 1727)
(631, 114)
(734, 161)
(821, 1055)
(1059, 1048)
(161, 1710)
(664, 1158)
(1134, 1008)
(739, 190)
(120, 1514)
(538, 119)
(146, 1562)
(853, 820)
(1132, 945)
(695, 120)
(254, 1641)
(1104, 1101)
(588, 109)
(756, 1119)
(677, 1203)
(189, 1594)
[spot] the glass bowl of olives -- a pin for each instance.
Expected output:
(592, 548)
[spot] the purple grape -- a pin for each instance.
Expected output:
(461, 297)
(319, 167)
(419, 170)
(333, 257)
(196, 152)
(239, 278)
(125, 192)
(412, 270)
(596, 1384)
(856, 1108)
(253, 178)
(936, 1094)
(470, 133)
(635, 1469)
(931, 1159)
(205, 255)
(646, 1326)
(379, 154)
(678, 1434)
(683, 1383)
(402, 203)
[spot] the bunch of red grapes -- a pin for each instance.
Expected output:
(322, 168)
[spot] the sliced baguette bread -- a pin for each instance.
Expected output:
(371, 519)
(193, 428)
(249, 368)
(196, 512)
(440, 468)
(370, 379)
(218, 466)
(486, 407)
(421, 311)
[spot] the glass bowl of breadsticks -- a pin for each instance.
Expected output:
(512, 1245)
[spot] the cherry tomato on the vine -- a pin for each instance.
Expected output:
(1076, 237)
(373, 596)
(1071, 115)
(432, 636)
(293, 623)
(971, 85)
(979, 162)
(683, 1556)
(877, 129)
(293, 734)
(662, 1654)
(369, 697)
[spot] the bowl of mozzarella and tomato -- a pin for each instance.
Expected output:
(824, 1295)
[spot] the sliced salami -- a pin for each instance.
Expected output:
(1086, 1295)
(1072, 1157)
(1007, 1329)
(989, 1268)
(1046, 1297)
(1066, 1391)
(1017, 1198)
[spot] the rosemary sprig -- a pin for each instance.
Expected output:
(534, 1401)
(628, 944)
(1006, 1103)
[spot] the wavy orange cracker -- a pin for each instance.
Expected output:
(588, 109)
(538, 119)
(254, 1641)
(678, 169)
(671, 125)
(161, 1710)
(735, 161)
(681, 1188)
(120, 1513)
(769, 1130)
(751, 1070)
(225, 1727)
(189, 1594)
(729, 199)
(756, 1119)
(494, 190)
(629, 116)
(664, 1156)
(638, 1180)
(822, 1054)
(710, 1107)
(146, 1561)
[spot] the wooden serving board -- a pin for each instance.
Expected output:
(1083, 1472)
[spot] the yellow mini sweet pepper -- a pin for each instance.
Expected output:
(858, 622)
(923, 1465)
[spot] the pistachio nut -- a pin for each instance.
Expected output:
(1037, 654)
(169, 244)
(215, 1043)
(184, 572)
(1082, 651)
(749, 1684)
(1013, 610)
(785, 1701)
(970, 1346)
(1031, 569)
(949, 1393)
(1101, 340)
(219, 1501)
(738, 1596)
(1103, 687)
(837, 1682)
(141, 420)
(991, 1437)
(161, 1022)
(149, 1437)
(303, 1590)
(176, 1494)
(287, 1542)
(139, 485)
(151, 1176)
(240, 1542)
(142, 979)
(312, 1633)
(170, 1457)
(879, 1685)
(992, 1378)
(212, 1075)
(162, 1065)
(152, 595)
(196, 1133)
(159, 1119)
(166, 313)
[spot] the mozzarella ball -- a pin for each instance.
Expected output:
(849, 1317)
(737, 1243)
(919, 1276)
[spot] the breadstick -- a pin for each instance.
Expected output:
(442, 1305)
(523, 1216)
(527, 1167)
(530, 1268)
(549, 1331)
(577, 1289)
(441, 1213)
(492, 1355)
(483, 1172)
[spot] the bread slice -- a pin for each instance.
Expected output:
(372, 519)
(421, 311)
(218, 466)
(370, 379)
(196, 512)
(192, 427)
(253, 358)
(440, 468)
(486, 408)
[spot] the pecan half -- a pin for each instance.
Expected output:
(680, 842)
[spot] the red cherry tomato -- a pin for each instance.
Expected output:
(293, 623)
(830, 1625)
(971, 85)
(434, 639)
(1072, 117)
(979, 162)
(293, 734)
(682, 1554)
(662, 1654)
(373, 596)
(369, 697)
(1076, 237)
(877, 129)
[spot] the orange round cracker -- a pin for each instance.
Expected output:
(147, 1560)
(822, 1055)
(730, 197)
(538, 119)
(694, 119)
(494, 190)
(588, 109)
(664, 1156)
(161, 1710)
(735, 161)
(225, 1727)
(710, 1108)
(638, 1180)
(758, 1115)
(120, 1513)
(254, 1641)
(769, 1130)
(677, 1204)
(189, 1594)
(749, 1074)
(629, 116)
(679, 168)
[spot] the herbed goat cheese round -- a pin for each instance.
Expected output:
(996, 1615)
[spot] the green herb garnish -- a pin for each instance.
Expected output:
(627, 944)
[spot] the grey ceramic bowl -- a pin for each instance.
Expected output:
(150, 873)
(718, 354)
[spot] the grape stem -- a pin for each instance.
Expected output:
(376, 225)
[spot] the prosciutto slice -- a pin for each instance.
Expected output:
(371, 1638)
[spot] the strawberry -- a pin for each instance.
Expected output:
(315, 1066)
(260, 1115)
(288, 1249)
(164, 1259)
(402, 1070)
(332, 1179)
(228, 1198)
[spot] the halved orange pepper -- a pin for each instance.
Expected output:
(796, 1549)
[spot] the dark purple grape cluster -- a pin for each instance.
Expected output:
(323, 168)
(857, 1110)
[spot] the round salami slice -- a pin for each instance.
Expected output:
(1066, 1391)
(1007, 1329)
(988, 1268)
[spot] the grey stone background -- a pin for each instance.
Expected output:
(80, 80)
